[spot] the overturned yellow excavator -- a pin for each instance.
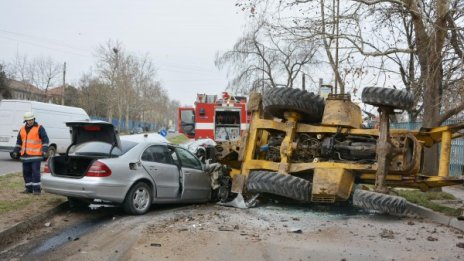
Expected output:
(303, 147)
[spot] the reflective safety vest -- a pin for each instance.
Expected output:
(31, 142)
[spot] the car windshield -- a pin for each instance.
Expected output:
(103, 148)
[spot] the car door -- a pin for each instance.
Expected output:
(159, 164)
(195, 182)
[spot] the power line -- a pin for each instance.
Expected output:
(43, 46)
(55, 42)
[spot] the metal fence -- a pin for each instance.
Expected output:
(121, 124)
(457, 147)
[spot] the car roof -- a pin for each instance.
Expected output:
(146, 137)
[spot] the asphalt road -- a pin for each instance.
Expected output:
(267, 232)
(8, 165)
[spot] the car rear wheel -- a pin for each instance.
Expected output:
(138, 199)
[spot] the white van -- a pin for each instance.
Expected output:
(53, 117)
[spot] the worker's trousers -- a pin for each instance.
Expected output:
(31, 174)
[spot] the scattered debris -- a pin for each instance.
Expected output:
(386, 233)
(226, 228)
(296, 230)
(411, 223)
(460, 244)
(155, 245)
(48, 224)
(461, 216)
(430, 238)
(240, 202)
(410, 238)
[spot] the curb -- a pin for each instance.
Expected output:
(436, 217)
(30, 222)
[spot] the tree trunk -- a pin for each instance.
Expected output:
(432, 100)
(110, 113)
(127, 116)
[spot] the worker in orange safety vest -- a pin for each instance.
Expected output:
(32, 146)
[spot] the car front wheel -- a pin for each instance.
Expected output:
(138, 199)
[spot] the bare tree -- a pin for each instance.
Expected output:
(44, 73)
(93, 93)
(378, 35)
(19, 68)
(131, 86)
(265, 58)
(109, 60)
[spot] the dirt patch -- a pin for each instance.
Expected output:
(16, 207)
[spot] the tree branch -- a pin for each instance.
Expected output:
(448, 114)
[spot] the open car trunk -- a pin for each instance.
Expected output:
(70, 166)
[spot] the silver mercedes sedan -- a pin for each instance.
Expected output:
(134, 171)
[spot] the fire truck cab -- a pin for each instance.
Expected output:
(220, 119)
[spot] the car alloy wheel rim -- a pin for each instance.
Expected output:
(141, 199)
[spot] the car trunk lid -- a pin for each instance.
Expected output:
(77, 166)
(87, 131)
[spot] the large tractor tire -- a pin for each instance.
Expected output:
(397, 99)
(279, 100)
(381, 202)
(279, 184)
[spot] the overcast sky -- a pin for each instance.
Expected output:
(181, 36)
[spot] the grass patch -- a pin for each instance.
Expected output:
(7, 206)
(11, 181)
(178, 138)
(425, 199)
(12, 200)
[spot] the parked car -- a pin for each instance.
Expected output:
(136, 130)
(128, 170)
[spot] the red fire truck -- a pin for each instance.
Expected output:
(220, 119)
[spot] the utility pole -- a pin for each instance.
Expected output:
(64, 83)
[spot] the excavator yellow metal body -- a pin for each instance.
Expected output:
(336, 153)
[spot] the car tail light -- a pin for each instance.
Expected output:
(98, 169)
(46, 168)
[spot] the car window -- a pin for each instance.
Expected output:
(187, 159)
(157, 153)
(174, 157)
(95, 148)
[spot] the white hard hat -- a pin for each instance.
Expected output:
(28, 116)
